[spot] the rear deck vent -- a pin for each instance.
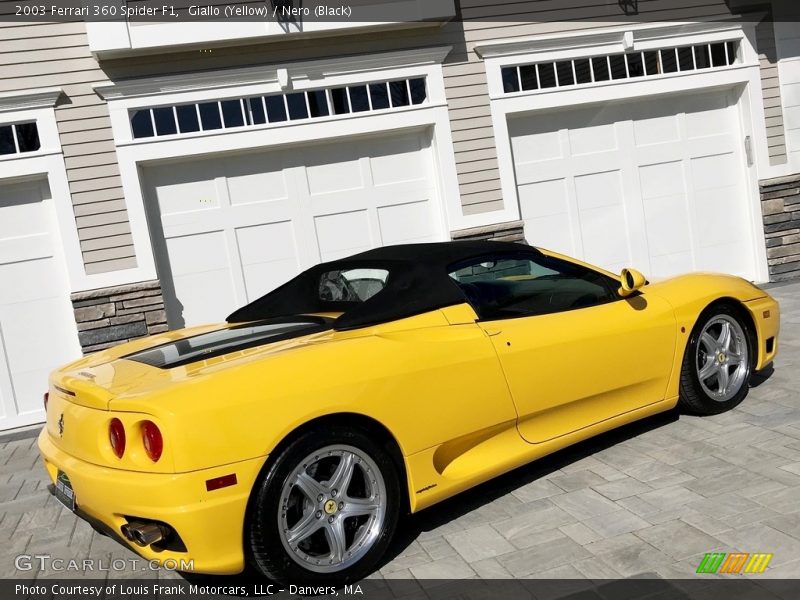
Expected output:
(612, 67)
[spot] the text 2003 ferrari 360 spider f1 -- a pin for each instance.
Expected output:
(295, 435)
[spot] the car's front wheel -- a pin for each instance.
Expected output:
(718, 362)
(325, 510)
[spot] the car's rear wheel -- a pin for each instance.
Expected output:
(325, 510)
(718, 362)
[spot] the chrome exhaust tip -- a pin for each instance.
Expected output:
(143, 534)
(126, 532)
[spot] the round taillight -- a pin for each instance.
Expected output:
(116, 434)
(153, 442)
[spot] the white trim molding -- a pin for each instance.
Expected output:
(742, 77)
(29, 99)
(299, 73)
(133, 153)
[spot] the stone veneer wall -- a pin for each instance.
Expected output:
(780, 205)
(110, 316)
(501, 232)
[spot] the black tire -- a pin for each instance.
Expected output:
(263, 542)
(695, 397)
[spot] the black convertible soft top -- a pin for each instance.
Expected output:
(418, 282)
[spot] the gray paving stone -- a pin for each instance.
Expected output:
(679, 540)
(616, 523)
(584, 503)
(544, 515)
(479, 543)
(581, 533)
(449, 567)
(577, 481)
(633, 558)
(621, 488)
(543, 557)
(536, 490)
(670, 497)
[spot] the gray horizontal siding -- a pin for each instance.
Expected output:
(771, 89)
(57, 55)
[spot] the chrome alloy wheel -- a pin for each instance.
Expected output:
(332, 508)
(722, 358)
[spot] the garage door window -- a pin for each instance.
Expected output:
(612, 67)
(277, 108)
(19, 138)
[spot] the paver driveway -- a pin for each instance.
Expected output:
(651, 498)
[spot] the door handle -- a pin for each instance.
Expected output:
(493, 332)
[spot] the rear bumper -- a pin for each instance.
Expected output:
(210, 524)
(766, 314)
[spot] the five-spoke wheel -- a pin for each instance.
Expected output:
(717, 363)
(722, 358)
(325, 509)
(332, 508)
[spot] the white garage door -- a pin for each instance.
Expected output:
(229, 229)
(37, 327)
(658, 184)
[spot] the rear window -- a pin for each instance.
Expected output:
(352, 285)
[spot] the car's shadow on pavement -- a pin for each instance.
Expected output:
(485, 493)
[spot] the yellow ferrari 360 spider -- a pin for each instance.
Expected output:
(295, 435)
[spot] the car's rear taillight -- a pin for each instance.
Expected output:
(46, 398)
(153, 442)
(116, 434)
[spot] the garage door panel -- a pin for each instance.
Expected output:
(708, 117)
(397, 161)
(593, 139)
(178, 197)
(662, 179)
(534, 146)
(601, 236)
(29, 247)
(26, 281)
(724, 257)
(38, 319)
(529, 173)
(257, 188)
(23, 212)
(645, 181)
(184, 252)
(268, 255)
(37, 327)
(406, 223)
(656, 130)
(719, 220)
(673, 264)
(598, 190)
(667, 224)
(339, 176)
(339, 235)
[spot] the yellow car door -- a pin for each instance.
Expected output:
(573, 351)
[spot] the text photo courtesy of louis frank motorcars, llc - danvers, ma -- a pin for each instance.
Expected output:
(400, 299)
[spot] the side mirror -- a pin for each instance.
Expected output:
(630, 280)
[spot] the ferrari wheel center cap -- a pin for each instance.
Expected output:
(721, 357)
(330, 507)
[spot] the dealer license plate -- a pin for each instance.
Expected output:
(64, 492)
